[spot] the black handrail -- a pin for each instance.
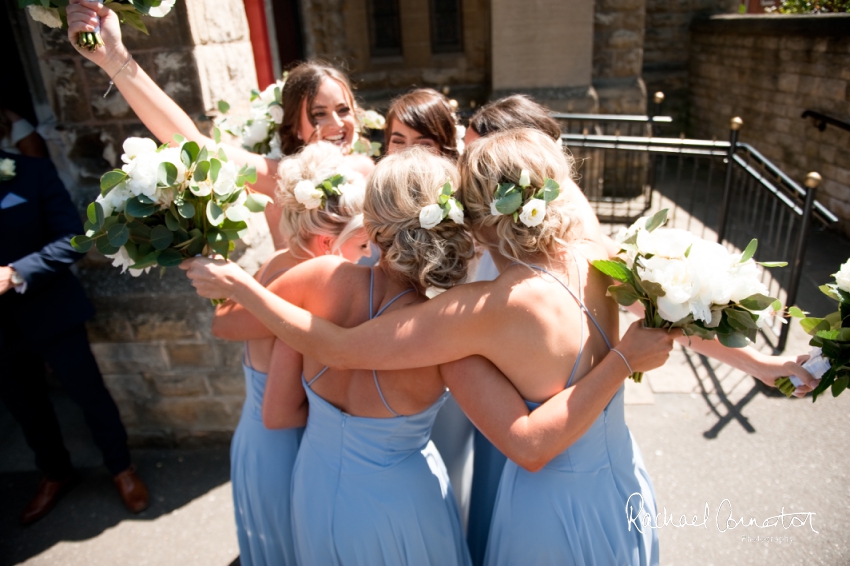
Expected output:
(611, 117)
(822, 120)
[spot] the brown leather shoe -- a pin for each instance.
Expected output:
(49, 492)
(132, 490)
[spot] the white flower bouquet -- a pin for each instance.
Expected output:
(830, 356)
(689, 283)
(7, 169)
(258, 132)
(52, 14)
(167, 204)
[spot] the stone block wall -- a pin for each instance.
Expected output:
(768, 70)
(173, 381)
(618, 38)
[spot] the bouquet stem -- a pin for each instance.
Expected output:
(90, 40)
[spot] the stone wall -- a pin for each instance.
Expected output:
(618, 37)
(173, 382)
(768, 70)
(665, 51)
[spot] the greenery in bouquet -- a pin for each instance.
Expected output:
(167, 204)
(258, 132)
(686, 282)
(830, 357)
(813, 6)
(52, 14)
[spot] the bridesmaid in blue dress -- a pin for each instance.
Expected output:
(517, 323)
(262, 455)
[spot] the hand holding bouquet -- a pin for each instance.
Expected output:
(830, 356)
(689, 283)
(167, 204)
(52, 14)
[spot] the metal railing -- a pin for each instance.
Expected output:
(821, 121)
(720, 190)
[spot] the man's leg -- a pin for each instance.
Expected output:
(74, 365)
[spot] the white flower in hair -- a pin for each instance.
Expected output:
(524, 178)
(533, 212)
(430, 216)
(307, 194)
(455, 212)
(276, 112)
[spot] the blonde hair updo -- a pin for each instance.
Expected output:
(340, 217)
(397, 190)
(500, 157)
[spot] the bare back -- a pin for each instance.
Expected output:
(343, 298)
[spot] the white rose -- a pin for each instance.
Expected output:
(225, 183)
(133, 147)
(7, 168)
(276, 112)
(676, 279)
(626, 233)
(533, 212)
(843, 277)
(430, 216)
(455, 213)
(142, 174)
(47, 16)
(256, 132)
(493, 210)
(161, 10)
(267, 96)
(524, 178)
(307, 194)
(118, 197)
(665, 242)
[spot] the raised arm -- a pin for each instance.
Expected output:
(159, 113)
(421, 335)
(533, 438)
(284, 401)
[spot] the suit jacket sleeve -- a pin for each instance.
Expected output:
(61, 221)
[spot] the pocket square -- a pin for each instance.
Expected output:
(11, 200)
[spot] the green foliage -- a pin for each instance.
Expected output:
(807, 6)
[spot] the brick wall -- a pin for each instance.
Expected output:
(173, 382)
(768, 70)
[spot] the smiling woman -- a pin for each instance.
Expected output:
(422, 117)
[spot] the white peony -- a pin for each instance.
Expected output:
(842, 278)
(225, 183)
(493, 210)
(455, 213)
(47, 16)
(268, 95)
(307, 194)
(430, 216)
(665, 242)
(255, 132)
(142, 174)
(533, 212)
(675, 277)
(276, 112)
(133, 147)
(162, 10)
(123, 260)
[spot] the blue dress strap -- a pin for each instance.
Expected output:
(582, 306)
(246, 355)
(317, 376)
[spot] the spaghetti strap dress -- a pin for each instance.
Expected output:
(373, 491)
(574, 510)
(261, 462)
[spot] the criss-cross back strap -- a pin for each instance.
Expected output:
(582, 306)
(246, 351)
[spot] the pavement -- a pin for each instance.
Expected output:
(730, 461)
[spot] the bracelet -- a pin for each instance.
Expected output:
(625, 361)
(112, 80)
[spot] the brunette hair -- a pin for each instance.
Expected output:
(302, 85)
(515, 111)
(429, 113)
(500, 158)
(396, 191)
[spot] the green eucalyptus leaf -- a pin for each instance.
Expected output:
(509, 203)
(237, 213)
(149, 260)
(178, 138)
(215, 167)
(111, 180)
(138, 209)
(82, 243)
(169, 258)
(223, 106)
(624, 294)
(171, 221)
(186, 209)
(104, 247)
(757, 302)
(216, 135)
(214, 213)
(161, 237)
(796, 312)
(257, 202)
(118, 235)
(840, 385)
(740, 320)
(733, 340)
(551, 190)
(657, 219)
(750, 251)
(201, 171)
(166, 175)
(248, 174)
(189, 153)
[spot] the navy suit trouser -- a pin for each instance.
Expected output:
(23, 389)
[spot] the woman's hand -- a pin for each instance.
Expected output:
(771, 368)
(214, 278)
(84, 16)
(647, 348)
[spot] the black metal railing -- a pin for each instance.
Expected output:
(821, 121)
(721, 190)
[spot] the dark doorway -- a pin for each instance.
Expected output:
(287, 25)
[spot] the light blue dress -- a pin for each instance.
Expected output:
(373, 491)
(261, 462)
(574, 510)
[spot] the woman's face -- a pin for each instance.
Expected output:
(332, 114)
(356, 247)
(402, 136)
